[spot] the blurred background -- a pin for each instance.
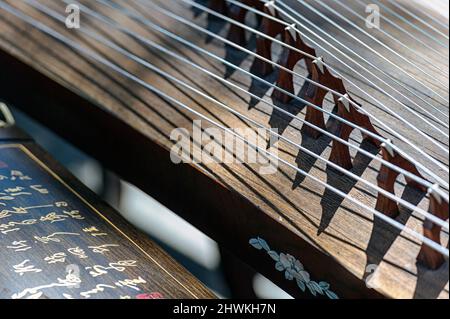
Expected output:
(201, 255)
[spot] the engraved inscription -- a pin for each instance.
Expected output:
(56, 245)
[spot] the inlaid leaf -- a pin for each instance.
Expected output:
(331, 294)
(255, 243)
(293, 270)
(311, 289)
(263, 244)
(301, 285)
(279, 266)
(324, 285)
(288, 275)
(298, 265)
(316, 287)
(305, 275)
(274, 255)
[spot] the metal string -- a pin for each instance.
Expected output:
(191, 24)
(429, 16)
(253, 30)
(429, 62)
(408, 61)
(399, 6)
(177, 38)
(381, 123)
(336, 49)
(412, 91)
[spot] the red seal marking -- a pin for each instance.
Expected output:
(152, 295)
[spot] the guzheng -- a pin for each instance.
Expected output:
(344, 191)
(59, 240)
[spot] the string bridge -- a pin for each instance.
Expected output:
(319, 82)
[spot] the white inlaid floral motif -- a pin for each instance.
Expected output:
(293, 270)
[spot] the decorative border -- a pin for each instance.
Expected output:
(294, 270)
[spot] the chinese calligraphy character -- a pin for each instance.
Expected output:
(21, 268)
(94, 231)
(53, 218)
(19, 246)
(39, 189)
(56, 258)
(15, 174)
(54, 237)
(75, 214)
(77, 251)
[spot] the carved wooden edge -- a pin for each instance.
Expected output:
(264, 45)
(289, 58)
(315, 94)
(13, 134)
(386, 179)
(186, 190)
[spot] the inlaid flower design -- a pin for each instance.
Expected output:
(293, 270)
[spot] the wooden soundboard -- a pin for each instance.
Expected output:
(339, 245)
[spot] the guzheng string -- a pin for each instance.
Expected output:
(396, 66)
(384, 106)
(125, 73)
(403, 30)
(212, 12)
(423, 58)
(92, 55)
(171, 35)
(220, 104)
(344, 46)
(225, 18)
(312, 25)
(413, 102)
(371, 82)
(391, 130)
(412, 24)
(119, 48)
(122, 9)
